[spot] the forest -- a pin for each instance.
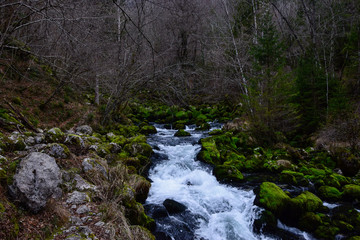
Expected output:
(283, 77)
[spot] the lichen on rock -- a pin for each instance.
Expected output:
(36, 180)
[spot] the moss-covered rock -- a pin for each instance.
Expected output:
(294, 178)
(209, 153)
(57, 150)
(307, 202)
(138, 148)
(329, 193)
(15, 142)
(235, 160)
(141, 233)
(118, 139)
(141, 187)
(227, 173)
(179, 125)
(347, 214)
(182, 133)
(267, 222)
(216, 132)
(203, 126)
(326, 232)
(287, 209)
(74, 140)
(354, 238)
(101, 149)
(137, 216)
(351, 192)
(343, 226)
(54, 135)
(181, 115)
(148, 129)
(126, 130)
(310, 222)
(272, 198)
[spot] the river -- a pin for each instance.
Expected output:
(214, 211)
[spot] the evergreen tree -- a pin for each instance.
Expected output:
(271, 88)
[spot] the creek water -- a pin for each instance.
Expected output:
(214, 211)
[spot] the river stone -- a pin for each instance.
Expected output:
(36, 180)
(84, 129)
(173, 206)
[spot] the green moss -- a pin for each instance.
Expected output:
(179, 125)
(348, 215)
(203, 126)
(15, 143)
(137, 216)
(344, 226)
(329, 193)
(137, 139)
(216, 132)
(310, 222)
(75, 140)
(307, 202)
(209, 153)
(342, 180)
(227, 173)
(138, 148)
(103, 149)
(126, 130)
(352, 191)
(181, 115)
(58, 150)
(121, 140)
(354, 238)
(141, 187)
(236, 160)
(291, 177)
(182, 133)
(201, 118)
(54, 135)
(326, 232)
(273, 198)
(147, 130)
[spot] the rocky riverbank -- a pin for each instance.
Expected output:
(313, 189)
(77, 184)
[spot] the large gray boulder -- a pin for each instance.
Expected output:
(36, 180)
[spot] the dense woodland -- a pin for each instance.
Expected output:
(291, 65)
(289, 71)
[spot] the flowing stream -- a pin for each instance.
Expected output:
(214, 211)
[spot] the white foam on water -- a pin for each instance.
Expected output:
(226, 212)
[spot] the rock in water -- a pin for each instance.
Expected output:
(173, 206)
(36, 180)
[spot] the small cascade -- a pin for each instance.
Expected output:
(208, 209)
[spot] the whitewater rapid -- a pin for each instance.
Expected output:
(215, 211)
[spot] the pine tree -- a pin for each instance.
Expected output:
(272, 87)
